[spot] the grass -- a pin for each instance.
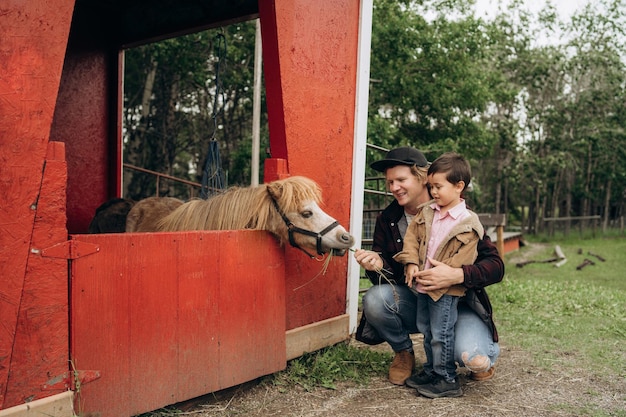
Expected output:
(562, 312)
(327, 366)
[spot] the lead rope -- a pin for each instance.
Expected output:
(213, 174)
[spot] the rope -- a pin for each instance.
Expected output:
(213, 174)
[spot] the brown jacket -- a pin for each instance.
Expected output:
(457, 249)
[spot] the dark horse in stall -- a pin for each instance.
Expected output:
(111, 216)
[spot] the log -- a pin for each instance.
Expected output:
(585, 263)
(597, 256)
(521, 264)
(559, 252)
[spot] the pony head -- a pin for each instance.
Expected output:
(306, 226)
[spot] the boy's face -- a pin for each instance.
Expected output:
(444, 192)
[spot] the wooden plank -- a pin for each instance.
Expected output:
(198, 310)
(32, 48)
(252, 308)
(302, 41)
(500, 240)
(152, 327)
(100, 320)
(569, 218)
(316, 336)
(40, 346)
(166, 317)
(58, 405)
(492, 219)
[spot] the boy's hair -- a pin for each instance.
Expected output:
(454, 166)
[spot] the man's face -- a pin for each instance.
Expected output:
(406, 188)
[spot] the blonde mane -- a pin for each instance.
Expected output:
(243, 208)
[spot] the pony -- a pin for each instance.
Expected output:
(287, 208)
(111, 216)
(145, 214)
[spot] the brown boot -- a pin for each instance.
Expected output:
(401, 367)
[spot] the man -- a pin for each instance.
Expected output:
(390, 307)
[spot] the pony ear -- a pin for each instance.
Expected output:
(275, 189)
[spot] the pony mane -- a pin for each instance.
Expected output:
(243, 208)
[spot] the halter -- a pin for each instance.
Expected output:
(292, 228)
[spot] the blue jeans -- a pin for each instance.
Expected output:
(436, 321)
(392, 311)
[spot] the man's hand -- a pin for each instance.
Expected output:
(368, 259)
(440, 276)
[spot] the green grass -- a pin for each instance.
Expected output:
(563, 313)
(327, 366)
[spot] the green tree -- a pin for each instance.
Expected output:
(182, 93)
(433, 80)
(428, 85)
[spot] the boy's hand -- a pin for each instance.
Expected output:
(410, 274)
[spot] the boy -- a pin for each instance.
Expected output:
(444, 230)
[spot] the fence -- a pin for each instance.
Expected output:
(565, 224)
(193, 188)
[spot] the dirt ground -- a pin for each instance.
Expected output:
(519, 388)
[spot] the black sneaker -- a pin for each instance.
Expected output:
(441, 388)
(419, 379)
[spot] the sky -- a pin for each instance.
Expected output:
(565, 7)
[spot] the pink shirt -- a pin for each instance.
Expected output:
(442, 226)
(440, 229)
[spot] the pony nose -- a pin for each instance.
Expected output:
(346, 238)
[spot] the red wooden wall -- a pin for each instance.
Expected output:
(33, 290)
(52, 89)
(162, 318)
(86, 119)
(310, 65)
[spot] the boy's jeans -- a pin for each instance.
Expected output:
(436, 321)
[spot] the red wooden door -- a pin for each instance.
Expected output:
(166, 317)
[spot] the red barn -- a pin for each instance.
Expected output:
(117, 324)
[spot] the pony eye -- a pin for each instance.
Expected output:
(306, 214)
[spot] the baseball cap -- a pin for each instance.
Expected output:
(404, 155)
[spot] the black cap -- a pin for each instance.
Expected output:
(400, 156)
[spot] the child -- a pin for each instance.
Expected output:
(444, 230)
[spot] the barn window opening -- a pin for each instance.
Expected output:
(187, 101)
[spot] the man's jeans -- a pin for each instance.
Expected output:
(392, 311)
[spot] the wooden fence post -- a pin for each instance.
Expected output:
(499, 221)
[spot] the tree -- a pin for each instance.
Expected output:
(179, 95)
(428, 85)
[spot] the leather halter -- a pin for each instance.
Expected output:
(292, 228)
